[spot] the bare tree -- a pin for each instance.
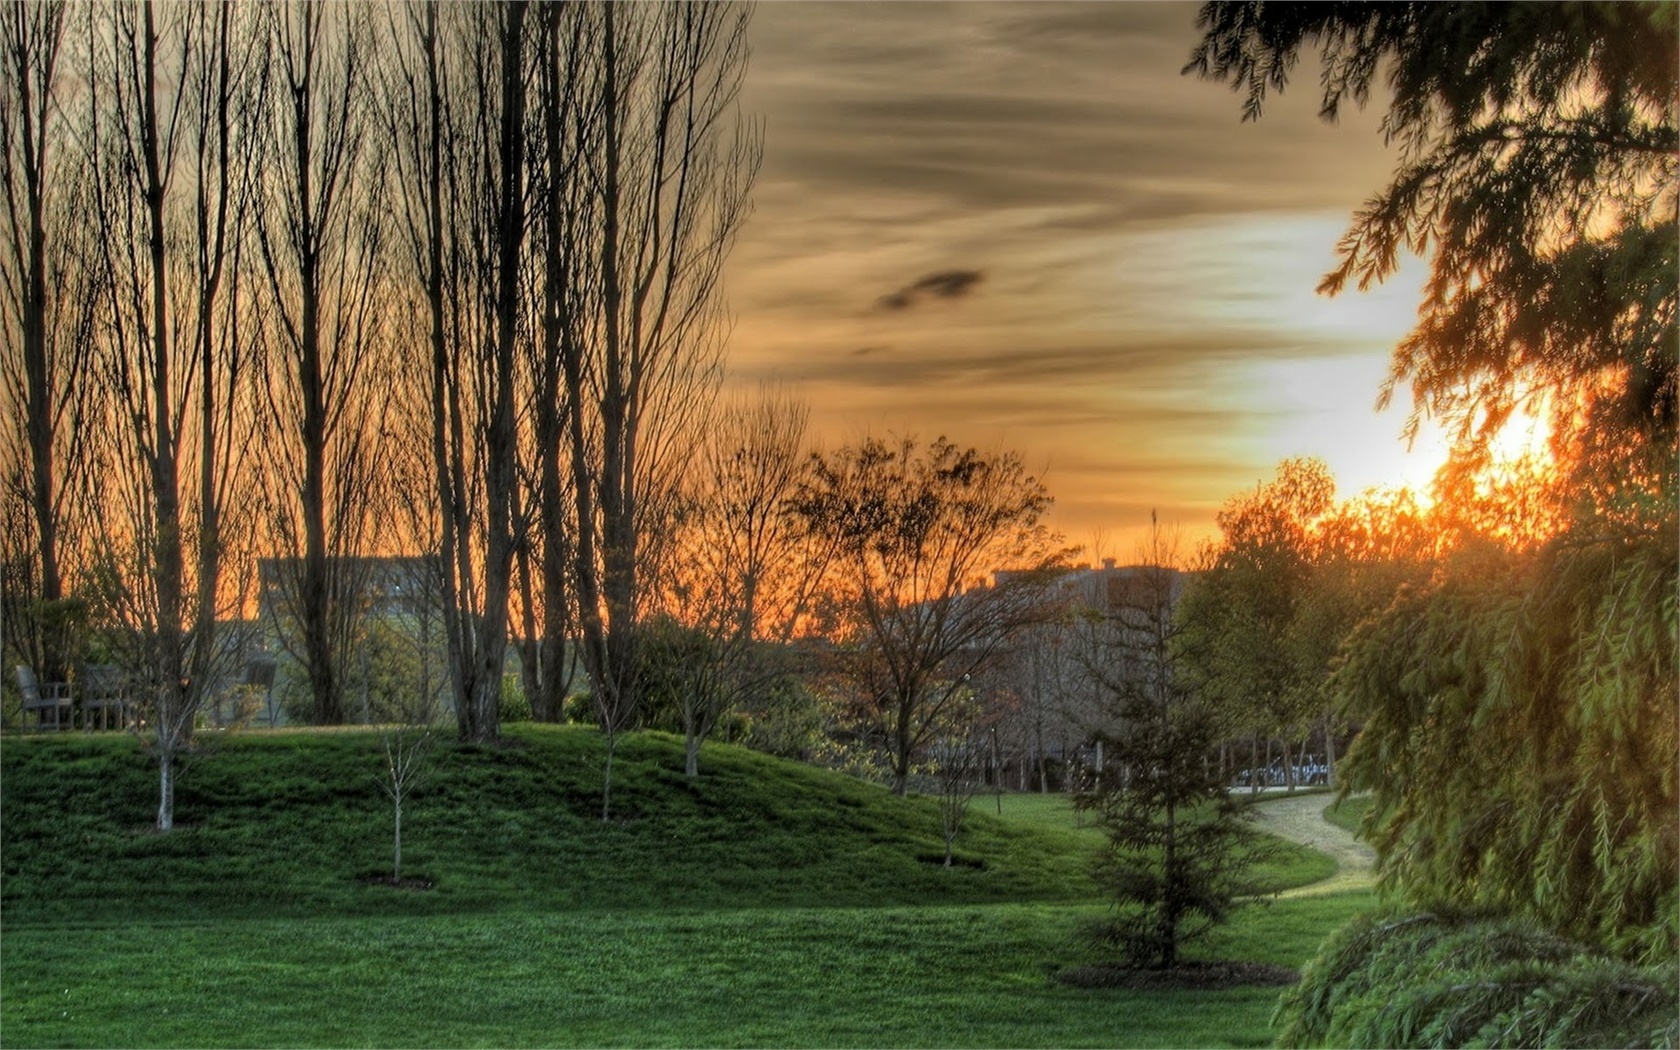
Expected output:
(458, 98)
(548, 659)
(321, 234)
(407, 748)
(918, 531)
(959, 757)
(667, 164)
(170, 124)
(47, 338)
(742, 574)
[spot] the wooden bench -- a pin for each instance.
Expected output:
(45, 698)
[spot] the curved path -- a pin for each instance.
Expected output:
(1300, 818)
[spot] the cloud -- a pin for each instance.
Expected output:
(1149, 260)
(991, 106)
(946, 284)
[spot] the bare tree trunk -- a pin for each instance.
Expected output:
(903, 738)
(320, 243)
(48, 330)
(1329, 752)
(501, 445)
(607, 778)
(174, 721)
(166, 792)
(558, 59)
(32, 53)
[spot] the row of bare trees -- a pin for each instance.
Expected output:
(328, 281)
(332, 281)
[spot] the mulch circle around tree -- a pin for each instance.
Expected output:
(404, 883)
(1210, 976)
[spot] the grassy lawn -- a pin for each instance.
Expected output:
(768, 904)
(1348, 812)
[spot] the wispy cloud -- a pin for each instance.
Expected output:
(1123, 248)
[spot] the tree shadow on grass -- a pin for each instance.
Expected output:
(1189, 976)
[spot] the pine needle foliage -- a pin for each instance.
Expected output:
(1178, 859)
(1520, 736)
(1445, 980)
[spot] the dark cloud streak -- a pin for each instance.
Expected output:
(945, 284)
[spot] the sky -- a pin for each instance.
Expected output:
(1019, 226)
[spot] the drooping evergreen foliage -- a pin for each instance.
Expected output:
(1520, 736)
(1428, 980)
(1519, 707)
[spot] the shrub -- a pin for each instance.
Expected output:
(514, 705)
(1441, 980)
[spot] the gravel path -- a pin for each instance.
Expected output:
(1301, 819)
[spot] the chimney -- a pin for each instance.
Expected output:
(1108, 564)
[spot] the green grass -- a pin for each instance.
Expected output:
(974, 975)
(1293, 866)
(769, 903)
(287, 823)
(1347, 813)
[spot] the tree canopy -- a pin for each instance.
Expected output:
(1518, 701)
(1246, 641)
(915, 530)
(1537, 171)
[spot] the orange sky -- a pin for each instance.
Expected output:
(1018, 224)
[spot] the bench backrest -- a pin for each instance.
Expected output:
(27, 683)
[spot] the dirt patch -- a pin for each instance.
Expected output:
(1192, 976)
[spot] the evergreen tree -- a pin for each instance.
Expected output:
(1520, 735)
(1178, 853)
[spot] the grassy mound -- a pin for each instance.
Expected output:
(294, 824)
